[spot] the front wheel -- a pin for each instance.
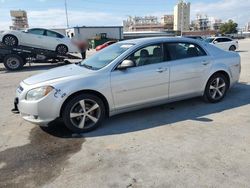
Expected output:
(216, 88)
(62, 49)
(232, 48)
(83, 113)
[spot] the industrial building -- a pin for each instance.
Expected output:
(96, 35)
(247, 29)
(85, 33)
(168, 22)
(204, 23)
(19, 20)
(147, 23)
(182, 16)
(201, 23)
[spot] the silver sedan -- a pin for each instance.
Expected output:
(126, 76)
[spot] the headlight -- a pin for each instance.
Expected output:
(38, 93)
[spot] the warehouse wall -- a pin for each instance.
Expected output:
(85, 33)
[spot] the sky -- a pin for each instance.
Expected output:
(51, 13)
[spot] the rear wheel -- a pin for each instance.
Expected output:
(62, 49)
(13, 62)
(232, 48)
(216, 88)
(10, 40)
(83, 113)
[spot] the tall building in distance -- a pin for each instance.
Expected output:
(247, 29)
(182, 16)
(19, 19)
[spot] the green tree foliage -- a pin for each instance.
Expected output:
(229, 27)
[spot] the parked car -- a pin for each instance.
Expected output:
(39, 38)
(194, 37)
(106, 44)
(126, 76)
(224, 43)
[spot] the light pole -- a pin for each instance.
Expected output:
(66, 12)
(182, 16)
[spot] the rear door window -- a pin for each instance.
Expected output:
(36, 31)
(53, 34)
(182, 50)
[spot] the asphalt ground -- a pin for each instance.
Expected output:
(183, 144)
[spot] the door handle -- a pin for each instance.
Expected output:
(205, 63)
(160, 70)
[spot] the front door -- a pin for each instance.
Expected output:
(35, 38)
(147, 82)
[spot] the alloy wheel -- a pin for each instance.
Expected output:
(10, 41)
(62, 49)
(85, 114)
(217, 88)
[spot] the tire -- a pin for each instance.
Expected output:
(79, 120)
(10, 40)
(216, 88)
(62, 49)
(232, 48)
(13, 62)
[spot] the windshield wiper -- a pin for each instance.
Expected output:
(88, 66)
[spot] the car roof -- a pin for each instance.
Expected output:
(159, 39)
(220, 37)
(47, 30)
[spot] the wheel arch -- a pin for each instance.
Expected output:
(93, 92)
(61, 44)
(224, 72)
(10, 34)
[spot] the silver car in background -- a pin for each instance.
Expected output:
(126, 76)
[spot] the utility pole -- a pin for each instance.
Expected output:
(182, 16)
(66, 12)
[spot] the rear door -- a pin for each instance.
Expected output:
(189, 65)
(147, 82)
(53, 39)
(223, 43)
(34, 38)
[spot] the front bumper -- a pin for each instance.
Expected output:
(40, 112)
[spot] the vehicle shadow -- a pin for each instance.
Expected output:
(165, 115)
(241, 51)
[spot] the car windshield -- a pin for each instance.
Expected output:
(105, 56)
(209, 40)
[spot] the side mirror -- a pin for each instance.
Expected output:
(215, 42)
(126, 64)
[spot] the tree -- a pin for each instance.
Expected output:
(229, 27)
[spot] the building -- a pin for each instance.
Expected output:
(201, 23)
(147, 23)
(92, 32)
(247, 27)
(168, 22)
(19, 20)
(182, 16)
(214, 23)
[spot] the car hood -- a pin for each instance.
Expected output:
(57, 73)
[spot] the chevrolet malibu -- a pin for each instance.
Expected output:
(126, 76)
